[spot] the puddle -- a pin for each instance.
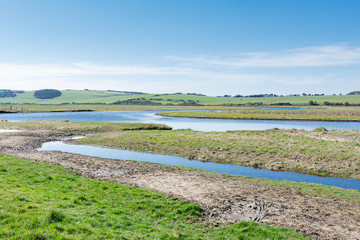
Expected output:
(9, 130)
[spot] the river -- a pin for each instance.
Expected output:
(102, 152)
(179, 123)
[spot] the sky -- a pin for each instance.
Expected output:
(213, 47)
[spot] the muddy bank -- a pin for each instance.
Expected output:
(25, 140)
(226, 200)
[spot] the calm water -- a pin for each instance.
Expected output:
(207, 166)
(9, 130)
(179, 123)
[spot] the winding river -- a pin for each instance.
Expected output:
(102, 152)
(179, 123)
(191, 123)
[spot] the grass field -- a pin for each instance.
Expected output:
(324, 114)
(108, 97)
(68, 96)
(319, 152)
(39, 201)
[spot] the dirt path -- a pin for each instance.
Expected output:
(225, 200)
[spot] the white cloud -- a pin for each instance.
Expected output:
(209, 75)
(333, 55)
(78, 70)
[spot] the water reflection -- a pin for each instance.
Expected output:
(207, 166)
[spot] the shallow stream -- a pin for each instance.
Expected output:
(94, 151)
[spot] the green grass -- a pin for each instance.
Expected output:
(324, 153)
(107, 97)
(39, 201)
(336, 114)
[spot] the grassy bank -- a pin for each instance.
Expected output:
(328, 114)
(67, 127)
(319, 152)
(39, 201)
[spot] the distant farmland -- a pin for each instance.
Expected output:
(133, 98)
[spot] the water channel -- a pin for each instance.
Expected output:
(94, 151)
(178, 123)
(191, 123)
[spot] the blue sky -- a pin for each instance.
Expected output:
(214, 47)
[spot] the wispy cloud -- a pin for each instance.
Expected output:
(21, 71)
(333, 55)
(215, 75)
(74, 70)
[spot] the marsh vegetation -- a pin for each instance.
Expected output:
(324, 114)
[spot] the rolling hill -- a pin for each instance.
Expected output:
(136, 98)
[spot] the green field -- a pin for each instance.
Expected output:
(109, 97)
(40, 201)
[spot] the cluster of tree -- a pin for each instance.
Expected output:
(180, 93)
(190, 103)
(157, 99)
(272, 95)
(354, 93)
(313, 103)
(7, 93)
(255, 103)
(136, 101)
(281, 104)
(340, 104)
(196, 94)
(47, 93)
(256, 95)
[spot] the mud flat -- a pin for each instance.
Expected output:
(225, 198)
